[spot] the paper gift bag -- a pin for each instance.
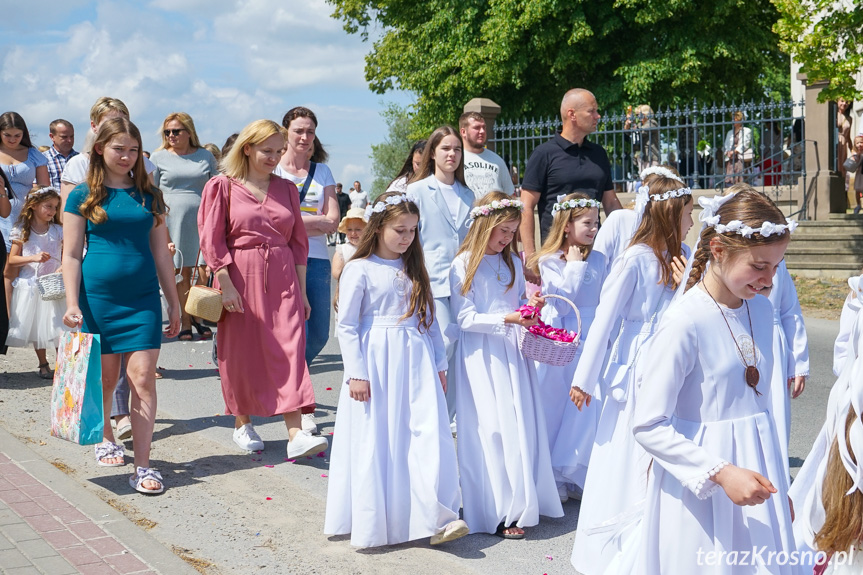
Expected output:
(77, 412)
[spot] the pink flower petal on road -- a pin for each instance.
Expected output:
(324, 475)
(321, 454)
(268, 466)
(269, 498)
(289, 460)
(329, 389)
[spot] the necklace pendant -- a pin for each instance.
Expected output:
(752, 376)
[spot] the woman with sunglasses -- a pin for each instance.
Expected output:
(183, 167)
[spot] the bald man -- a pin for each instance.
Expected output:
(567, 163)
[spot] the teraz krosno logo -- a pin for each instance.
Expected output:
(760, 556)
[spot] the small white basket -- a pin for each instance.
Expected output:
(550, 351)
(51, 286)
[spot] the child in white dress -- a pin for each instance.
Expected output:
(717, 487)
(634, 297)
(506, 476)
(352, 225)
(569, 268)
(37, 247)
(393, 473)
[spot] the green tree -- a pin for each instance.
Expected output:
(824, 36)
(389, 156)
(525, 53)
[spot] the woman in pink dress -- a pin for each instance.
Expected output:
(253, 239)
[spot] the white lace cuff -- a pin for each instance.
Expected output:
(702, 486)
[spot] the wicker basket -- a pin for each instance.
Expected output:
(51, 286)
(550, 351)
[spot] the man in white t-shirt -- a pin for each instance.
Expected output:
(484, 171)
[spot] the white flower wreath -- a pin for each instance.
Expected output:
(382, 205)
(572, 204)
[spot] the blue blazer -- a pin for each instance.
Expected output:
(440, 236)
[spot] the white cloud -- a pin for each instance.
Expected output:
(225, 62)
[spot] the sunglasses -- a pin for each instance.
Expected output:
(173, 132)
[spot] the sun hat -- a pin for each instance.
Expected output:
(353, 214)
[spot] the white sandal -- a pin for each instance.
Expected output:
(143, 474)
(108, 450)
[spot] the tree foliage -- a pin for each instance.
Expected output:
(826, 38)
(389, 156)
(525, 54)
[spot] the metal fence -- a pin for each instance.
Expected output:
(711, 146)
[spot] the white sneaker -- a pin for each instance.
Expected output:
(304, 444)
(247, 438)
(309, 423)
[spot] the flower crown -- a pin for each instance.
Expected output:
(382, 205)
(709, 217)
(660, 170)
(45, 190)
(494, 206)
(643, 195)
(572, 204)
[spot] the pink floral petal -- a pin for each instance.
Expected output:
(269, 498)
(268, 466)
(324, 475)
(321, 454)
(329, 389)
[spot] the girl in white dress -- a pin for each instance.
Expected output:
(717, 487)
(506, 476)
(393, 474)
(569, 268)
(37, 247)
(636, 293)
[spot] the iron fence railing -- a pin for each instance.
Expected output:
(764, 148)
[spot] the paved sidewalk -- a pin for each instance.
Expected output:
(51, 525)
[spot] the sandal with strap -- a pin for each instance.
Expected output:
(143, 474)
(203, 331)
(47, 373)
(108, 450)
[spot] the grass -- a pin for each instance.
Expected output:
(821, 297)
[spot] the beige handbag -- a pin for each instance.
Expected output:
(203, 301)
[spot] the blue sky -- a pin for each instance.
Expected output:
(225, 62)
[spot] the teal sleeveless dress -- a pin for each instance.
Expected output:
(119, 292)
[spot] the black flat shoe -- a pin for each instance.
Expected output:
(185, 335)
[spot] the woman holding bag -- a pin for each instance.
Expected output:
(114, 290)
(254, 240)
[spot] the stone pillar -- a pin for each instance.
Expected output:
(824, 185)
(489, 111)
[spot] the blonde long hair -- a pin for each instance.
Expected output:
(479, 234)
(843, 522)
(660, 225)
(422, 301)
(556, 239)
(91, 208)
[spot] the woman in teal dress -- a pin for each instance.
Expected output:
(114, 290)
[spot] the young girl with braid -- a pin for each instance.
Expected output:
(716, 487)
(569, 268)
(634, 297)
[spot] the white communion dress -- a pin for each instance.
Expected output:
(694, 414)
(505, 466)
(393, 474)
(634, 299)
(570, 432)
(33, 320)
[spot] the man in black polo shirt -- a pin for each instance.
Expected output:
(567, 163)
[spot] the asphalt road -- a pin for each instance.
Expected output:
(231, 512)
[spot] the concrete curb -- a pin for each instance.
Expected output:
(109, 519)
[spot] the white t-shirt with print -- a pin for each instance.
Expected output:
(313, 203)
(485, 172)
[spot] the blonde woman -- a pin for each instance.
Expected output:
(183, 168)
(253, 238)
